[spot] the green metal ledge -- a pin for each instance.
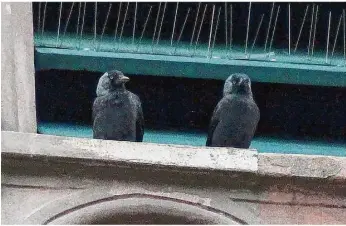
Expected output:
(190, 67)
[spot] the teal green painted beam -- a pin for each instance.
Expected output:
(190, 67)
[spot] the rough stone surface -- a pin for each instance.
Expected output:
(18, 106)
(302, 165)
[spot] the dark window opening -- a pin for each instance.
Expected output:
(178, 110)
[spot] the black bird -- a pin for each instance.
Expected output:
(117, 113)
(236, 116)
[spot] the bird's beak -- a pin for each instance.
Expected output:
(124, 79)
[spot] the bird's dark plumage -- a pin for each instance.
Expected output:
(117, 113)
(236, 116)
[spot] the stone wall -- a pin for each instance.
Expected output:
(18, 110)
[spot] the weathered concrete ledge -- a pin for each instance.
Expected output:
(200, 158)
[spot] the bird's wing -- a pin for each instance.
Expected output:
(139, 120)
(213, 123)
(97, 106)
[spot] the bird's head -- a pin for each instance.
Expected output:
(117, 79)
(237, 84)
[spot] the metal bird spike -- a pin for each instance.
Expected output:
(39, 17)
(200, 28)
(301, 27)
(247, 28)
(194, 26)
(134, 26)
(182, 29)
(117, 24)
(216, 28)
(68, 19)
(82, 28)
(314, 35)
(95, 25)
(105, 24)
(44, 17)
(231, 27)
(312, 20)
(327, 45)
(289, 28)
(226, 25)
(144, 27)
(337, 33)
(257, 31)
(124, 21)
(269, 25)
(59, 24)
(272, 38)
(175, 20)
(156, 21)
(163, 16)
(344, 15)
(79, 12)
(211, 29)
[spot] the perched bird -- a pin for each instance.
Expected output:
(236, 116)
(117, 113)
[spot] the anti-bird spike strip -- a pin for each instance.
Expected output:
(213, 35)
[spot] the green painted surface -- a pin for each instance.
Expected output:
(70, 53)
(262, 144)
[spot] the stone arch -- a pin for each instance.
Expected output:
(135, 208)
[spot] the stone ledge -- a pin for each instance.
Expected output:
(309, 166)
(177, 156)
(224, 159)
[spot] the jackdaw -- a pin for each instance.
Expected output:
(236, 116)
(117, 113)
